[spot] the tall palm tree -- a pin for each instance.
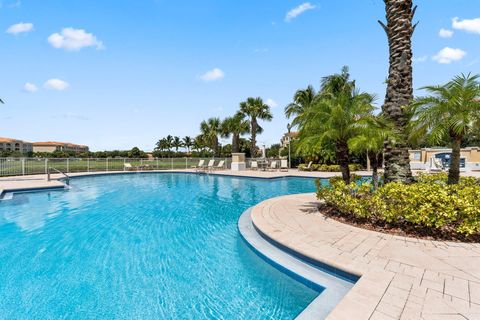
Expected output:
(210, 130)
(399, 94)
(302, 99)
(169, 142)
(235, 126)
(187, 142)
(451, 111)
(255, 109)
(177, 143)
(333, 117)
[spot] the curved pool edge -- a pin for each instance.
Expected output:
(332, 288)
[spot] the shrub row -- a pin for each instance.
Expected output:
(429, 203)
(328, 167)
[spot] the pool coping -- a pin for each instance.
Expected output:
(330, 286)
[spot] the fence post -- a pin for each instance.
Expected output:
(172, 163)
(23, 166)
(68, 165)
(106, 163)
(46, 165)
(124, 162)
(157, 163)
(186, 163)
(88, 164)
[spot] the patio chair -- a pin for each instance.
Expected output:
(211, 165)
(127, 166)
(200, 165)
(283, 165)
(309, 167)
(254, 165)
(220, 165)
(273, 166)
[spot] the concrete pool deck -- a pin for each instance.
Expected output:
(400, 277)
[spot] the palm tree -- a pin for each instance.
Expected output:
(452, 111)
(373, 130)
(187, 142)
(177, 143)
(210, 131)
(235, 126)
(333, 117)
(301, 101)
(399, 94)
(255, 109)
(169, 142)
(161, 145)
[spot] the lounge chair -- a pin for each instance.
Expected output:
(210, 166)
(254, 165)
(309, 167)
(273, 165)
(127, 166)
(220, 165)
(200, 165)
(283, 165)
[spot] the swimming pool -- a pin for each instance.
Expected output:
(142, 246)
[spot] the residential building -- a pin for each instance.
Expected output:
(435, 158)
(52, 146)
(287, 137)
(8, 144)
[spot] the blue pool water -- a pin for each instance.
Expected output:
(142, 246)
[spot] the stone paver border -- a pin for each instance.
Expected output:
(401, 277)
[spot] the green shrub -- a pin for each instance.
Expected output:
(328, 167)
(428, 203)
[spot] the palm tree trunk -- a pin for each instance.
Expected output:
(374, 162)
(235, 138)
(253, 145)
(454, 171)
(399, 93)
(343, 160)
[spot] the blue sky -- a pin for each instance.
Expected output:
(117, 74)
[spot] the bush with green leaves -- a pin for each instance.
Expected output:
(429, 203)
(328, 167)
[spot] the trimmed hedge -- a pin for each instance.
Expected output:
(328, 167)
(429, 203)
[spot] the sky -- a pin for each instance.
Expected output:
(114, 74)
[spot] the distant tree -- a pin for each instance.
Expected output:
(274, 151)
(255, 109)
(187, 142)
(136, 153)
(235, 126)
(177, 143)
(210, 130)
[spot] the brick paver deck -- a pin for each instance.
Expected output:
(401, 278)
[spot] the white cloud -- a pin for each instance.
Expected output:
(56, 84)
(212, 75)
(271, 103)
(420, 59)
(74, 39)
(448, 55)
(469, 25)
(21, 27)
(445, 33)
(295, 12)
(30, 87)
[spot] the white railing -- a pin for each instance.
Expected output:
(29, 166)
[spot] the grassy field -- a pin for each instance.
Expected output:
(9, 167)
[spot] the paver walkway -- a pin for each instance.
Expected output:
(401, 278)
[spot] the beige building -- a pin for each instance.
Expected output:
(52, 146)
(287, 137)
(9, 145)
(438, 158)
